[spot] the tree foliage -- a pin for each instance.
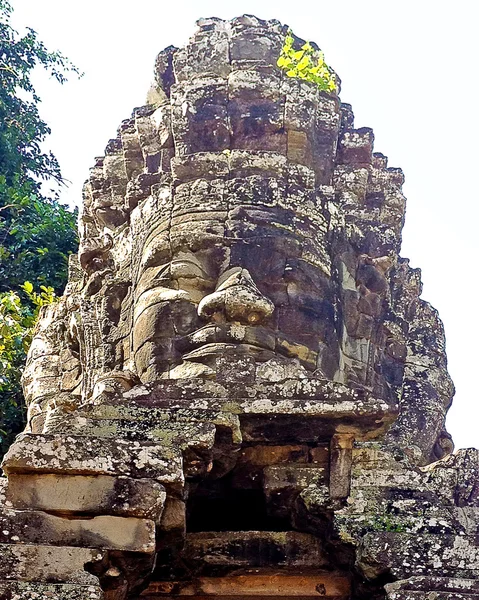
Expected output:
(37, 233)
(307, 64)
(17, 322)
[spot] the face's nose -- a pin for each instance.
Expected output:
(236, 298)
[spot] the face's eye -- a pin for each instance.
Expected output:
(162, 275)
(154, 277)
(187, 269)
(156, 251)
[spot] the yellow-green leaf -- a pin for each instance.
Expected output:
(28, 287)
(303, 63)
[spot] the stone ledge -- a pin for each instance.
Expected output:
(197, 436)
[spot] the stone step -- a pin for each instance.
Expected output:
(86, 494)
(78, 455)
(206, 552)
(48, 564)
(103, 532)
(10, 590)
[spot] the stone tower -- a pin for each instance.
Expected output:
(241, 393)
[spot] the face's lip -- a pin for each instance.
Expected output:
(228, 334)
(216, 349)
(213, 340)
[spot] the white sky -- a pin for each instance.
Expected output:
(410, 70)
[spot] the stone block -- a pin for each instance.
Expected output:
(78, 455)
(340, 465)
(262, 455)
(206, 551)
(104, 532)
(199, 117)
(49, 564)
(248, 48)
(408, 554)
(167, 432)
(327, 585)
(174, 516)
(257, 124)
(10, 590)
(356, 147)
(87, 494)
(283, 483)
(431, 587)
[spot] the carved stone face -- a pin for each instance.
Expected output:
(239, 212)
(215, 281)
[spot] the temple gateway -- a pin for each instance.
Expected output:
(241, 394)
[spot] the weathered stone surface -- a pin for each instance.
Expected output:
(283, 483)
(35, 527)
(340, 465)
(440, 588)
(52, 591)
(75, 455)
(209, 550)
(415, 554)
(99, 494)
(48, 564)
(328, 585)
